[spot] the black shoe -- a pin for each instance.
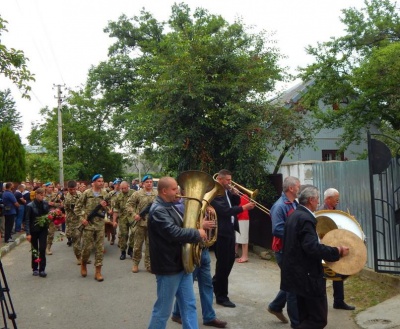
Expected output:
(343, 306)
(130, 251)
(123, 255)
(226, 303)
(69, 243)
(42, 274)
(176, 319)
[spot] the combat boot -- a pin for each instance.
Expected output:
(130, 251)
(48, 251)
(83, 269)
(123, 255)
(135, 268)
(69, 243)
(98, 275)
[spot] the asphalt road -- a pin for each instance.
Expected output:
(124, 300)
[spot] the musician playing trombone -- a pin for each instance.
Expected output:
(227, 207)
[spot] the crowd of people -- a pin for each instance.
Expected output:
(155, 219)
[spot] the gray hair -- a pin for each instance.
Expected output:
(306, 193)
(289, 182)
(330, 192)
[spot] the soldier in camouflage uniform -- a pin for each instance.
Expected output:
(136, 204)
(72, 221)
(122, 217)
(112, 195)
(93, 231)
(54, 201)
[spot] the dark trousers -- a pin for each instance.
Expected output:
(39, 243)
(338, 292)
(225, 254)
(8, 226)
(313, 312)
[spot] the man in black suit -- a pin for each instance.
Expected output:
(226, 208)
(301, 270)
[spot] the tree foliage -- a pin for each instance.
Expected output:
(88, 138)
(358, 73)
(194, 86)
(12, 156)
(42, 168)
(9, 115)
(13, 64)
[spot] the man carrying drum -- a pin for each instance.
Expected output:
(331, 200)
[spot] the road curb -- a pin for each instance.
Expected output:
(7, 247)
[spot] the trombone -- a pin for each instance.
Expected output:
(241, 190)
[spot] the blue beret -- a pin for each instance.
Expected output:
(145, 178)
(117, 181)
(96, 177)
(48, 184)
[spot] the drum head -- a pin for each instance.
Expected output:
(342, 219)
(324, 225)
(357, 257)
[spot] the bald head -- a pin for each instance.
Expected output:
(167, 189)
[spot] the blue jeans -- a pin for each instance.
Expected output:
(203, 274)
(168, 287)
(282, 297)
(20, 217)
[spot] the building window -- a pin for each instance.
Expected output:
(328, 155)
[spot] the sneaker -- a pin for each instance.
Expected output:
(10, 240)
(279, 315)
(35, 273)
(42, 274)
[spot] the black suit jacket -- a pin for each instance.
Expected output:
(225, 212)
(301, 270)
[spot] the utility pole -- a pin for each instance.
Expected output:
(60, 143)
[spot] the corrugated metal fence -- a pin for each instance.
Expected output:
(351, 179)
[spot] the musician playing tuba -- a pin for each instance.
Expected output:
(166, 236)
(226, 207)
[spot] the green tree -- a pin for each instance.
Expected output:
(8, 112)
(13, 64)
(42, 167)
(88, 138)
(357, 75)
(194, 86)
(12, 156)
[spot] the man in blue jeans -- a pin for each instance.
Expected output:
(280, 211)
(19, 195)
(203, 275)
(10, 212)
(166, 236)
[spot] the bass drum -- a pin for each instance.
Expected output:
(328, 220)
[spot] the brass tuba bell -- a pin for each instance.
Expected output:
(195, 185)
(218, 190)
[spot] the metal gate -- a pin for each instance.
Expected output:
(384, 173)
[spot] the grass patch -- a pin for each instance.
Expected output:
(364, 293)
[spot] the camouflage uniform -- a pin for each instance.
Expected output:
(72, 222)
(124, 218)
(93, 233)
(136, 203)
(53, 197)
(112, 195)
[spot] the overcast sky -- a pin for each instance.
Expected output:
(62, 39)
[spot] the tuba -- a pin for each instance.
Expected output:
(195, 184)
(218, 190)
